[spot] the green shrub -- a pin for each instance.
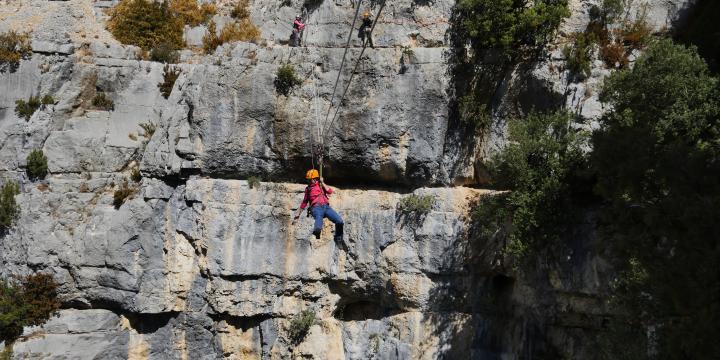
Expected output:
(191, 13)
(542, 159)
(579, 55)
(417, 204)
(6, 353)
(300, 326)
(512, 26)
(241, 30)
(146, 24)
(149, 129)
(474, 112)
(26, 109)
(30, 302)
(123, 192)
(37, 164)
(135, 175)
(286, 79)
(102, 102)
(13, 48)
(253, 182)
(9, 209)
(47, 100)
(656, 159)
(164, 53)
(170, 75)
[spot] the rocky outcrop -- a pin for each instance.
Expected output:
(197, 264)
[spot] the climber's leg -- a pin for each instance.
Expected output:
(337, 220)
(318, 213)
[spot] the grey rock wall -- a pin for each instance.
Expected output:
(197, 265)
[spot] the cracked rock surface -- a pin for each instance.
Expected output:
(200, 263)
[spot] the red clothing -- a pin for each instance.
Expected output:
(298, 25)
(314, 195)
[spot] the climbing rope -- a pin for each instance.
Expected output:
(352, 75)
(342, 63)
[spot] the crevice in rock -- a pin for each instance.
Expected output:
(240, 322)
(149, 323)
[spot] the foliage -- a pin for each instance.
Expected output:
(241, 30)
(164, 53)
(149, 129)
(636, 34)
(579, 56)
(26, 109)
(135, 175)
(123, 192)
(512, 26)
(419, 204)
(190, 13)
(170, 75)
(253, 182)
(8, 207)
(474, 112)
(102, 102)
(146, 24)
(300, 325)
(37, 164)
(286, 79)
(240, 10)
(6, 353)
(47, 100)
(540, 164)
(28, 303)
(657, 159)
(13, 48)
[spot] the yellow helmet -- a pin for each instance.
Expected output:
(366, 14)
(312, 174)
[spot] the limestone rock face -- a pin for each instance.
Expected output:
(198, 262)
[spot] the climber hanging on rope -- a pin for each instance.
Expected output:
(297, 31)
(316, 194)
(366, 29)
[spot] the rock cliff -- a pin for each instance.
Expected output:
(200, 263)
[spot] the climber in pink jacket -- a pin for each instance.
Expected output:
(316, 195)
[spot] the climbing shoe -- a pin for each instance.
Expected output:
(316, 233)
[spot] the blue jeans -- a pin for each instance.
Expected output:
(320, 212)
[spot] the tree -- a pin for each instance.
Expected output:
(657, 161)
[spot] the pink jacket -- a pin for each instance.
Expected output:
(298, 25)
(314, 196)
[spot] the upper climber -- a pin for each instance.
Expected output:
(298, 28)
(366, 29)
(316, 194)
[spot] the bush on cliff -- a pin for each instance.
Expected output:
(36, 164)
(13, 48)
(191, 13)
(146, 24)
(543, 159)
(8, 207)
(657, 157)
(286, 79)
(300, 326)
(27, 302)
(241, 30)
(511, 26)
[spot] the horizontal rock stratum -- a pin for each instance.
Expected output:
(196, 264)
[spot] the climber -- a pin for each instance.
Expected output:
(298, 28)
(316, 194)
(366, 29)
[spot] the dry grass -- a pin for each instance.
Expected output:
(242, 30)
(13, 48)
(192, 14)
